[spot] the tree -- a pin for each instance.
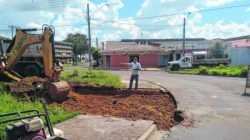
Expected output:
(96, 54)
(217, 51)
(80, 45)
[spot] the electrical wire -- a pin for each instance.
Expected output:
(180, 13)
(33, 7)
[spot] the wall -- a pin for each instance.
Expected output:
(163, 60)
(149, 60)
(240, 56)
(116, 60)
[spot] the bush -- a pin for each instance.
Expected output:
(224, 73)
(244, 71)
(203, 70)
(221, 66)
(216, 72)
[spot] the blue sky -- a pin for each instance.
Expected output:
(116, 21)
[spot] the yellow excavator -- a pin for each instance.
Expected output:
(57, 90)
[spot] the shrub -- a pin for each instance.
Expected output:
(216, 72)
(224, 73)
(221, 66)
(244, 71)
(203, 70)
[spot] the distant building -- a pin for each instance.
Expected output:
(240, 50)
(116, 52)
(64, 50)
(173, 48)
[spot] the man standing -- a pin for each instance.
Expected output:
(136, 66)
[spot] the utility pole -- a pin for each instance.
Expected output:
(89, 35)
(184, 34)
(97, 43)
(12, 30)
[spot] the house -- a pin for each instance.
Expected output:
(115, 53)
(240, 50)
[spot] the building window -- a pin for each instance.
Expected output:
(28, 50)
(37, 48)
(131, 57)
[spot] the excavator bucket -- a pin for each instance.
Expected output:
(59, 91)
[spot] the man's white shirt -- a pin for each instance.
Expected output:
(136, 66)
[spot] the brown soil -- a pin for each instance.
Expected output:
(148, 105)
(26, 85)
(156, 105)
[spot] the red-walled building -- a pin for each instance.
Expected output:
(116, 53)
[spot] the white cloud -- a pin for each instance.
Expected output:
(219, 30)
(213, 3)
(144, 6)
(70, 19)
(194, 27)
(164, 1)
(248, 9)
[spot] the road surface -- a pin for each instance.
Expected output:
(216, 105)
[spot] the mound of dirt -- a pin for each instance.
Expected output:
(26, 85)
(148, 105)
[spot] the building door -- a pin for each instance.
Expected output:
(108, 61)
(171, 57)
(178, 56)
(131, 57)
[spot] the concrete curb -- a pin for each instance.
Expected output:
(161, 87)
(149, 132)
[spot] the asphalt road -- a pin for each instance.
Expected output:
(216, 105)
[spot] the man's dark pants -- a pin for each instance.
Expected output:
(132, 78)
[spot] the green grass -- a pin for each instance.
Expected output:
(221, 70)
(68, 65)
(10, 103)
(92, 76)
(71, 64)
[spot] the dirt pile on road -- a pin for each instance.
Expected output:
(148, 105)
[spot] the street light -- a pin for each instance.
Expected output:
(89, 32)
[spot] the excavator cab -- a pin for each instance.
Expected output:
(58, 90)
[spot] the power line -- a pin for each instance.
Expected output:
(106, 21)
(180, 13)
(33, 7)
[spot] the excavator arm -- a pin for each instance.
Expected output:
(58, 90)
(21, 42)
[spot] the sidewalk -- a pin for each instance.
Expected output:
(142, 84)
(91, 127)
